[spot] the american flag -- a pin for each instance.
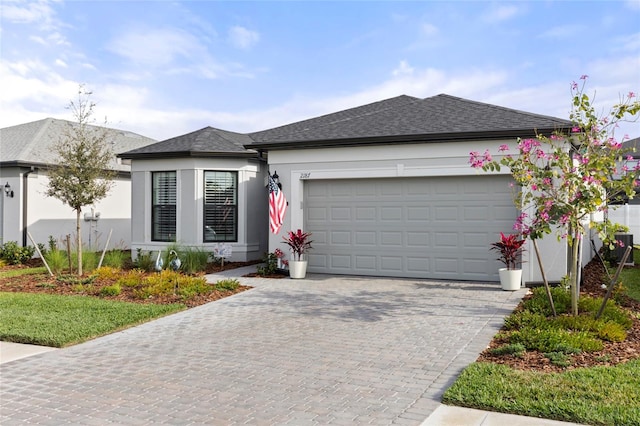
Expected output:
(277, 206)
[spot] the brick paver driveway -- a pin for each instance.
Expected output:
(324, 350)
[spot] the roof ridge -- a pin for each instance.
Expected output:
(497, 107)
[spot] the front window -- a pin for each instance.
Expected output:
(163, 210)
(220, 206)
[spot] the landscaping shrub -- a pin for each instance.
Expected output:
(170, 282)
(57, 261)
(194, 260)
(521, 319)
(143, 261)
(14, 254)
(270, 265)
(229, 284)
(115, 258)
(107, 273)
(515, 349)
(539, 303)
(132, 278)
(110, 290)
(550, 340)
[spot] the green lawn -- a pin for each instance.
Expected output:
(58, 321)
(594, 396)
(25, 271)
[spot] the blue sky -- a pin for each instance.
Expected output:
(165, 68)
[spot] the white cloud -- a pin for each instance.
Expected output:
(61, 63)
(402, 69)
(429, 29)
(563, 31)
(243, 38)
(633, 4)
(28, 12)
(501, 13)
(155, 47)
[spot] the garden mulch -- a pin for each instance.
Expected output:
(613, 353)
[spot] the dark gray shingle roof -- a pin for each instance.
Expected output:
(406, 116)
(204, 142)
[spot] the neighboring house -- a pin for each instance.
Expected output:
(385, 188)
(201, 190)
(25, 154)
(628, 214)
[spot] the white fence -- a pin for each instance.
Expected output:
(628, 215)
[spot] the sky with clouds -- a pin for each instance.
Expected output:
(165, 68)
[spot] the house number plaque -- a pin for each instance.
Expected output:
(305, 175)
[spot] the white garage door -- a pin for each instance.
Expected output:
(408, 227)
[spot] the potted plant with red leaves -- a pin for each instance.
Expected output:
(510, 248)
(300, 244)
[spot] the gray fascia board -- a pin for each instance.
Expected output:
(45, 166)
(401, 139)
(183, 154)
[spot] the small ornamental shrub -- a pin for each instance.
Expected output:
(515, 349)
(107, 273)
(270, 266)
(559, 359)
(110, 290)
(522, 319)
(193, 260)
(132, 278)
(14, 254)
(57, 261)
(115, 258)
(143, 261)
(552, 339)
(227, 285)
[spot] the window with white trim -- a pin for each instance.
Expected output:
(220, 206)
(163, 206)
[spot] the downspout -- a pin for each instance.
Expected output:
(25, 204)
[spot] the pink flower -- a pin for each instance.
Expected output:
(547, 181)
(487, 156)
(629, 158)
(631, 95)
(575, 129)
(584, 77)
(503, 148)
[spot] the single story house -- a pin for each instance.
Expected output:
(204, 190)
(25, 155)
(385, 188)
(628, 214)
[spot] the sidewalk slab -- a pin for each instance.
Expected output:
(447, 415)
(10, 351)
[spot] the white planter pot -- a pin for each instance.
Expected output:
(510, 279)
(297, 268)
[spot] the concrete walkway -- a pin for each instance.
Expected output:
(323, 350)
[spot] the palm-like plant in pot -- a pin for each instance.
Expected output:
(510, 248)
(300, 244)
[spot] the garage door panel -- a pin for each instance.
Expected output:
(411, 227)
(446, 213)
(340, 238)
(391, 214)
(340, 214)
(366, 214)
(391, 264)
(417, 240)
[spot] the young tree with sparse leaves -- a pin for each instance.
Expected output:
(82, 173)
(567, 177)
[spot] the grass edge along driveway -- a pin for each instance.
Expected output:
(59, 321)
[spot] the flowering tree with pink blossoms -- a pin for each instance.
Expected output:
(566, 177)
